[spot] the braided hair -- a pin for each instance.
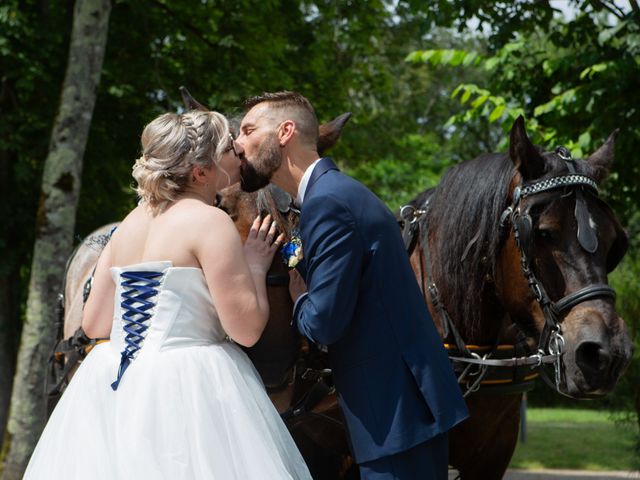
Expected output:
(172, 145)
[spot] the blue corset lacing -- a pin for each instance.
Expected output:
(138, 289)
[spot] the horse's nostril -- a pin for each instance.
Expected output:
(593, 357)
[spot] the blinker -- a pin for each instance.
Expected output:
(586, 234)
(524, 227)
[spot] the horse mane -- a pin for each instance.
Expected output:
(463, 216)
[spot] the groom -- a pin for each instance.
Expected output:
(394, 381)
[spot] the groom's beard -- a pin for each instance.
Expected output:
(257, 173)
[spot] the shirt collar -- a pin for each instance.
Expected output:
(302, 188)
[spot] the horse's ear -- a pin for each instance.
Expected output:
(329, 132)
(601, 159)
(524, 155)
(190, 103)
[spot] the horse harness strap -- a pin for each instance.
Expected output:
(504, 368)
(277, 279)
(308, 402)
(67, 354)
(412, 217)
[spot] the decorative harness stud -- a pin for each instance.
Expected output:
(138, 289)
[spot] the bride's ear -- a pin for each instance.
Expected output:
(199, 175)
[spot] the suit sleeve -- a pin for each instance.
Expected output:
(333, 252)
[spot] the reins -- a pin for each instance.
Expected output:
(550, 346)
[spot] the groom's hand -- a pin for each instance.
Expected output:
(296, 285)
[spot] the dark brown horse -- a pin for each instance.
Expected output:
(512, 253)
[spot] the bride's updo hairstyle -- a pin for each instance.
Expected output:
(172, 145)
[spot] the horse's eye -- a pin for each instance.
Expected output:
(546, 234)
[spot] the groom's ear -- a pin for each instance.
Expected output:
(328, 133)
(285, 132)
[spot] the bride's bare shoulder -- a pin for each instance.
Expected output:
(136, 220)
(199, 217)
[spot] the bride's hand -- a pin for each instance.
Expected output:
(261, 244)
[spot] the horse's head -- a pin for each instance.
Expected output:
(551, 274)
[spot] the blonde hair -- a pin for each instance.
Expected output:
(172, 145)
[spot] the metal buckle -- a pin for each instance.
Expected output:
(564, 153)
(407, 211)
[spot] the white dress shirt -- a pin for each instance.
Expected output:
(304, 181)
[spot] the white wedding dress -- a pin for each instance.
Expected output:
(189, 404)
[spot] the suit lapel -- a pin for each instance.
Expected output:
(323, 166)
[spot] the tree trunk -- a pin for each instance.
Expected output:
(6, 360)
(54, 229)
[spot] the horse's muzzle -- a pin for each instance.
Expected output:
(599, 363)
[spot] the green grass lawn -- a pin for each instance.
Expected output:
(576, 439)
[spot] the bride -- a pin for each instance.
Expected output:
(171, 396)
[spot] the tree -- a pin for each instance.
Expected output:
(32, 45)
(55, 227)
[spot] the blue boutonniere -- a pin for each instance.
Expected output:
(292, 251)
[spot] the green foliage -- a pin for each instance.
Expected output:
(417, 164)
(575, 82)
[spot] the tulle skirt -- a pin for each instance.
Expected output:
(197, 412)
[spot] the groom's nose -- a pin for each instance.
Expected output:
(239, 148)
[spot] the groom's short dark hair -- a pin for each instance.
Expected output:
(294, 104)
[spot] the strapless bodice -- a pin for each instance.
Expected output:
(181, 312)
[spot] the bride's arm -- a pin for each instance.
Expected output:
(97, 315)
(236, 275)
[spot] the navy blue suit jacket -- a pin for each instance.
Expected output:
(394, 380)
